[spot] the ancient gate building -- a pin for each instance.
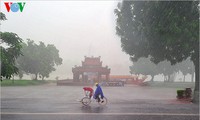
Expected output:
(91, 71)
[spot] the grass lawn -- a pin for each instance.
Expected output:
(22, 82)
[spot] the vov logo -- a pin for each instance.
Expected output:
(14, 7)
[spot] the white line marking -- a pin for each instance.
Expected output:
(145, 114)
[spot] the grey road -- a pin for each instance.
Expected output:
(51, 102)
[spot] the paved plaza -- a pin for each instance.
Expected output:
(51, 102)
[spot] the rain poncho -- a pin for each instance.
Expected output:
(98, 92)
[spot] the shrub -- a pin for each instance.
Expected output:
(180, 94)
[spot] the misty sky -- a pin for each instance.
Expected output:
(76, 28)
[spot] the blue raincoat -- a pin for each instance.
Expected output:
(98, 92)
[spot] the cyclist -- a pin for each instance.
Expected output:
(88, 90)
(98, 92)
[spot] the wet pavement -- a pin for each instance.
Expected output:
(51, 102)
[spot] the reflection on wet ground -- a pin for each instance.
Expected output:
(93, 109)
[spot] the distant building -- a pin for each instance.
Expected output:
(128, 79)
(90, 71)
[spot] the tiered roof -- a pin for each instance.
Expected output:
(92, 61)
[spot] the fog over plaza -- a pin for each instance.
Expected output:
(76, 28)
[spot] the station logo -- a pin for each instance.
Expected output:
(14, 7)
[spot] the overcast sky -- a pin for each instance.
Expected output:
(76, 28)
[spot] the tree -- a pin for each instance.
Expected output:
(39, 59)
(49, 60)
(163, 30)
(2, 16)
(145, 67)
(29, 61)
(169, 71)
(10, 51)
(186, 67)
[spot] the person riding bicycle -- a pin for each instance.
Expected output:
(88, 89)
(98, 92)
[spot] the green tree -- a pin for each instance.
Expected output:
(186, 67)
(50, 58)
(163, 30)
(29, 61)
(2, 16)
(169, 71)
(10, 51)
(20, 73)
(145, 67)
(39, 60)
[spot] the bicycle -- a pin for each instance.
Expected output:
(87, 100)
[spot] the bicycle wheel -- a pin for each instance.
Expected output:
(103, 101)
(86, 101)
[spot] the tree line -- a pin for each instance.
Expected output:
(144, 66)
(19, 57)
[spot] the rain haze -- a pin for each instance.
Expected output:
(76, 28)
(80, 88)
